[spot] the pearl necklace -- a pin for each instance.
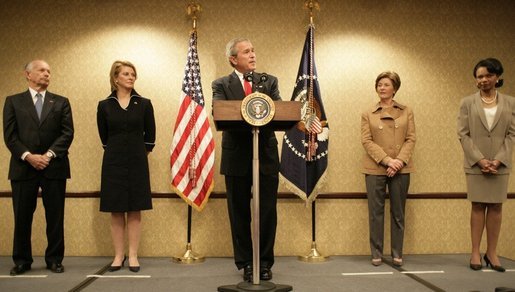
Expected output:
(487, 101)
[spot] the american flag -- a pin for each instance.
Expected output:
(192, 154)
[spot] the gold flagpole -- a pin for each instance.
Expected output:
(314, 255)
(311, 5)
(190, 257)
(192, 10)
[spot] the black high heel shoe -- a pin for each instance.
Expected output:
(476, 267)
(117, 268)
(133, 269)
(494, 267)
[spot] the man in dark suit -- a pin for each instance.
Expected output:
(38, 130)
(236, 163)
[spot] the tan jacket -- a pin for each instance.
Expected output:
(478, 141)
(387, 133)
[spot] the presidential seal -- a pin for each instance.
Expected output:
(257, 109)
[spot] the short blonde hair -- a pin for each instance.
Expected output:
(115, 70)
(394, 77)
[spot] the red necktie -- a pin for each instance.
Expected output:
(247, 87)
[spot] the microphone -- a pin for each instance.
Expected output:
(264, 77)
(249, 76)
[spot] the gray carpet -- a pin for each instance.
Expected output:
(339, 273)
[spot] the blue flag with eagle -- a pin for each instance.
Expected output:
(305, 146)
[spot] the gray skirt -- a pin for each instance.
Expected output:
(487, 188)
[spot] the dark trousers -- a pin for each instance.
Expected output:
(24, 204)
(239, 205)
(376, 193)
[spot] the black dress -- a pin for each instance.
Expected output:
(127, 135)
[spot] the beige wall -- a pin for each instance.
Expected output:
(432, 45)
(432, 227)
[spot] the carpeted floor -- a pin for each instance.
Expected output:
(339, 273)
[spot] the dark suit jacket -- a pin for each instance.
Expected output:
(237, 145)
(24, 132)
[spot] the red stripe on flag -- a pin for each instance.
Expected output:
(192, 142)
(205, 155)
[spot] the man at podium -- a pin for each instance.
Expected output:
(236, 164)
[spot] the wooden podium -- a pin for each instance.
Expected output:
(227, 115)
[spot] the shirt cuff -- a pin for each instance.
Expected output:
(24, 155)
(53, 153)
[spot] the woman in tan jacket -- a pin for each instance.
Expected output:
(486, 130)
(388, 136)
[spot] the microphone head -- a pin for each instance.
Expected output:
(248, 76)
(264, 77)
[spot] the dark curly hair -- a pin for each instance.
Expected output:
(493, 66)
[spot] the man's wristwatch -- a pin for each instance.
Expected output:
(49, 155)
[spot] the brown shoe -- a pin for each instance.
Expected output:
(397, 262)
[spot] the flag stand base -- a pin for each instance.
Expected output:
(314, 256)
(189, 257)
(262, 286)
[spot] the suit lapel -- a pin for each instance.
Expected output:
(261, 86)
(498, 112)
(28, 103)
(481, 111)
(236, 87)
(47, 106)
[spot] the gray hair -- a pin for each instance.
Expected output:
(28, 67)
(230, 48)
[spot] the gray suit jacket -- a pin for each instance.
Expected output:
(478, 141)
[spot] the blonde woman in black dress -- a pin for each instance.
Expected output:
(486, 130)
(126, 127)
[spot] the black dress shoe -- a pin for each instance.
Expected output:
(494, 267)
(19, 269)
(247, 273)
(55, 267)
(476, 267)
(265, 274)
(134, 269)
(116, 268)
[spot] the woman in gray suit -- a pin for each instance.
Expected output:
(486, 131)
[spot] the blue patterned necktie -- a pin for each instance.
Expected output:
(39, 104)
